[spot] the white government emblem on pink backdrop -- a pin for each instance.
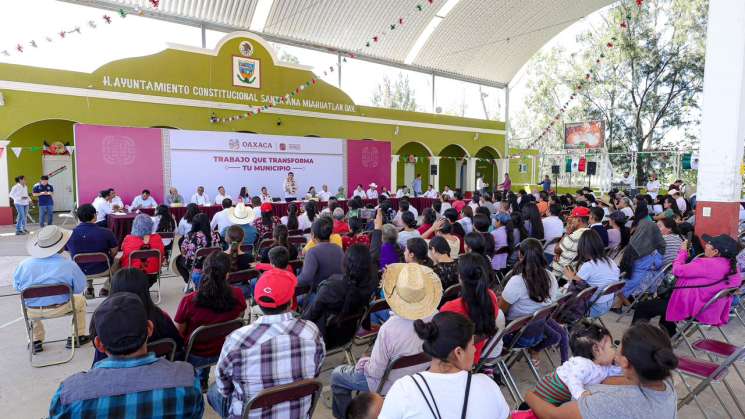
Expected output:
(370, 157)
(118, 150)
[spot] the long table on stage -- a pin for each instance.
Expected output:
(121, 224)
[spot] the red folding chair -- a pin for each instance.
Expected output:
(48, 291)
(709, 373)
(450, 294)
(692, 325)
(264, 244)
(540, 316)
(271, 397)
(143, 255)
(366, 334)
(94, 257)
(211, 333)
(163, 348)
(401, 362)
(247, 248)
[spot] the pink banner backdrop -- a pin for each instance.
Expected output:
(126, 159)
(368, 161)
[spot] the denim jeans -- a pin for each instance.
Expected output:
(345, 380)
(197, 361)
(219, 403)
(45, 215)
(549, 257)
(22, 214)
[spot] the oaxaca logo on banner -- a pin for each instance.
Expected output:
(246, 72)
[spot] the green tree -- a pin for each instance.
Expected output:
(647, 86)
(395, 94)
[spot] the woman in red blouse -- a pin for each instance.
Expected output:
(143, 238)
(356, 235)
(428, 220)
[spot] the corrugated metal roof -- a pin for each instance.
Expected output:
(479, 39)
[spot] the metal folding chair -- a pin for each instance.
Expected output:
(212, 332)
(94, 257)
(199, 257)
(48, 291)
(298, 241)
(263, 244)
(498, 361)
(298, 390)
(540, 316)
(144, 255)
(610, 289)
(163, 348)
(247, 248)
(366, 334)
(691, 325)
(451, 293)
(70, 216)
(242, 277)
(344, 326)
(403, 362)
(709, 373)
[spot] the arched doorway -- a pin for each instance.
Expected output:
(452, 167)
(413, 160)
(487, 167)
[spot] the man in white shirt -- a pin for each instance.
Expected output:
(265, 196)
(449, 192)
(431, 192)
(553, 228)
(221, 219)
(372, 191)
(290, 187)
(359, 191)
(682, 206)
(221, 195)
(324, 195)
(143, 201)
(401, 192)
(481, 185)
(21, 200)
(653, 186)
(200, 198)
(103, 207)
(116, 200)
(629, 180)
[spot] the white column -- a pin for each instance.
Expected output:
(6, 213)
(723, 121)
(434, 179)
(394, 172)
(470, 174)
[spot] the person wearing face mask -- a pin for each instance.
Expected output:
(447, 389)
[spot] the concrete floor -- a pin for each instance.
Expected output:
(25, 392)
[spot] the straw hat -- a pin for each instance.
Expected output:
(241, 214)
(413, 291)
(48, 241)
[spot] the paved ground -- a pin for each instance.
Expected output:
(25, 391)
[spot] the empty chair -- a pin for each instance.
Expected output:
(709, 373)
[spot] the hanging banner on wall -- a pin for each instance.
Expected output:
(234, 160)
(584, 135)
(367, 162)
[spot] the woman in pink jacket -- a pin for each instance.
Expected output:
(695, 284)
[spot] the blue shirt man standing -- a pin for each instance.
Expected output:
(43, 190)
(546, 184)
(416, 185)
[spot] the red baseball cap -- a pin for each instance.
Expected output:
(266, 207)
(580, 212)
(275, 288)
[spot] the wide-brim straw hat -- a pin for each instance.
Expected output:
(48, 241)
(412, 291)
(241, 214)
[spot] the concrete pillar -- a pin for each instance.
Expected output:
(6, 213)
(723, 121)
(394, 173)
(470, 174)
(433, 179)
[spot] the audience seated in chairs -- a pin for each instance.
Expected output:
(503, 241)
(645, 390)
(670, 233)
(477, 301)
(643, 256)
(135, 281)
(384, 242)
(131, 380)
(340, 226)
(324, 259)
(274, 350)
(444, 266)
(413, 293)
(553, 229)
(291, 219)
(333, 238)
(47, 266)
(444, 229)
(214, 302)
(356, 234)
(243, 217)
(595, 270)
(566, 250)
(696, 283)
(199, 237)
(88, 237)
(142, 238)
(429, 216)
(221, 220)
(475, 243)
(341, 294)
(618, 234)
(280, 237)
(265, 224)
(184, 224)
(531, 288)
(448, 387)
(409, 228)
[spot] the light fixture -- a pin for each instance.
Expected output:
(261, 14)
(395, 131)
(428, 30)
(2, 99)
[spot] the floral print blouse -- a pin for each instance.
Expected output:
(195, 241)
(262, 229)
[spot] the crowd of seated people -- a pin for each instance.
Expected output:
(508, 255)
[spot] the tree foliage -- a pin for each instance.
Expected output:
(395, 94)
(647, 87)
